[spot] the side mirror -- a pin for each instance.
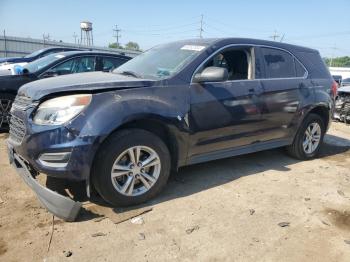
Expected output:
(25, 71)
(212, 74)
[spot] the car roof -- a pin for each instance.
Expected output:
(248, 41)
(74, 53)
(59, 48)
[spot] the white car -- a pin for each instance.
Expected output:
(9, 69)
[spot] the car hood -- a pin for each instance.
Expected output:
(90, 82)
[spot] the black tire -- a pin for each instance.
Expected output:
(114, 147)
(296, 150)
(6, 101)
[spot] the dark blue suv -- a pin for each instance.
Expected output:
(177, 104)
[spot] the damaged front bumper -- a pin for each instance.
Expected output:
(59, 205)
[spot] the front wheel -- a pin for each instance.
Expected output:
(132, 166)
(308, 139)
(6, 101)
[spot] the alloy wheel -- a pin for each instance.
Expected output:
(312, 138)
(135, 170)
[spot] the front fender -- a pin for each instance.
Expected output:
(108, 111)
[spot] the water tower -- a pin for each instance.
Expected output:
(86, 37)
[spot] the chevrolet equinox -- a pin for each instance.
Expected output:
(174, 105)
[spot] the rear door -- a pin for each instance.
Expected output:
(282, 83)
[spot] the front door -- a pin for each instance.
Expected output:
(226, 115)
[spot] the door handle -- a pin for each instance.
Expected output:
(251, 90)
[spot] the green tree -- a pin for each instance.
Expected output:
(132, 46)
(115, 45)
(343, 61)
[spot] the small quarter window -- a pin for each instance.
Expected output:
(278, 63)
(299, 68)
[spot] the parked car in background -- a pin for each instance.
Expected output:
(34, 56)
(8, 64)
(177, 104)
(56, 64)
(346, 82)
(342, 103)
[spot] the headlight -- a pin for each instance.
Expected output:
(60, 110)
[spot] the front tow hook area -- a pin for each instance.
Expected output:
(60, 206)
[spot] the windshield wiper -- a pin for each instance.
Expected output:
(129, 73)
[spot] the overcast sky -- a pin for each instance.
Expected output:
(321, 24)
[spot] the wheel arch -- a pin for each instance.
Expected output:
(323, 112)
(169, 130)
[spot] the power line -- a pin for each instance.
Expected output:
(161, 29)
(218, 22)
(218, 29)
(319, 36)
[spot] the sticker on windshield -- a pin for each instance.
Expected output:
(59, 56)
(196, 48)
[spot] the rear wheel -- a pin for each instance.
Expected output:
(131, 167)
(6, 101)
(309, 138)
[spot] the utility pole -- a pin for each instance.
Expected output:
(5, 43)
(332, 56)
(274, 36)
(46, 38)
(116, 34)
(75, 38)
(201, 28)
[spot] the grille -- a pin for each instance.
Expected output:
(17, 129)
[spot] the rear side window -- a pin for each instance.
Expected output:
(110, 63)
(278, 63)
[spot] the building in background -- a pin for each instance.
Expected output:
(19, 46)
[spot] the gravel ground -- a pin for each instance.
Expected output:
(259, 207)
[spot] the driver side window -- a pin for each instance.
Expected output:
(236, 61)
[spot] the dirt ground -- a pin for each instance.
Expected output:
(259, 207)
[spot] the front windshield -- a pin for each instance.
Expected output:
(161, 61)
(35, 53)
(42, 62)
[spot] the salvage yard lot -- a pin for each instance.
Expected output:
(259, 207)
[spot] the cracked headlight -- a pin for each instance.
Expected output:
(62, 109)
